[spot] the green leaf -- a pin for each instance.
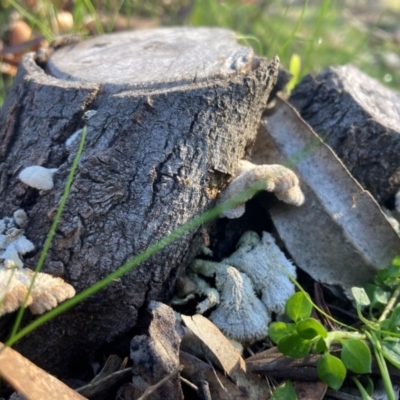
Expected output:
(278, 330)
(310, 328)
(321, 346)
(298, 306)
(391, 351)
(368, 384)
(377, 295)
(389, 276)
(284, 392)
(396, 262)
(356, 356)
(363, 391)
(294, 346)
(360, 296)
(386, 325)
(331, 370)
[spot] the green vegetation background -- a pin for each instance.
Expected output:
(320, 33)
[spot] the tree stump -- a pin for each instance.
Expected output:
(176, 110)
(360, 119)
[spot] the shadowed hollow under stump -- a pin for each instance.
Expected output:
(177, 108)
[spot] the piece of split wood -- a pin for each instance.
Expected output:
(219, 350)
(340, 235)
(30, 380)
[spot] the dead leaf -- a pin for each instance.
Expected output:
(30, 380)
(340, 235)
(212, 344)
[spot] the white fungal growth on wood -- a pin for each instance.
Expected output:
(212, 295)
(240, 315)
(89, 114)
(265, 264)
(10, 257)
(257, 268)
(46, 293)
(13, 244)
(272, 178)
(73, 138)
(20, 218)
(38, 177)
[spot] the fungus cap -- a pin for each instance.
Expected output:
(38, 177)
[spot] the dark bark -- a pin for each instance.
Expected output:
(360, 119)
(154, 158)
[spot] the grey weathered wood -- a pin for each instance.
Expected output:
(360, 119)
(155, 157)
(339, 235)
(152, 59)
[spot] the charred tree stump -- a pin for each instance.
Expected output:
(176, 110)
(360, 119)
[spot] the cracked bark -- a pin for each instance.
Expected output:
(359, 119)
(157, 153)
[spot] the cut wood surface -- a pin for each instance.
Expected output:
(360, 119)
(152, 59)
(164, 141)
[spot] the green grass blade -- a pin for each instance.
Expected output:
(32, 19)
(94, 14)
(316, 33)
(289, 40)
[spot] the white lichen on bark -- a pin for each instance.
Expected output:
(273, 178)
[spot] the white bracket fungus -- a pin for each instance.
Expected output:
(13, 243)
(20, 218)
(47, 291)
(15, 280)
(89, 114)
(273, 178)
(38, 177)
(257, 268)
